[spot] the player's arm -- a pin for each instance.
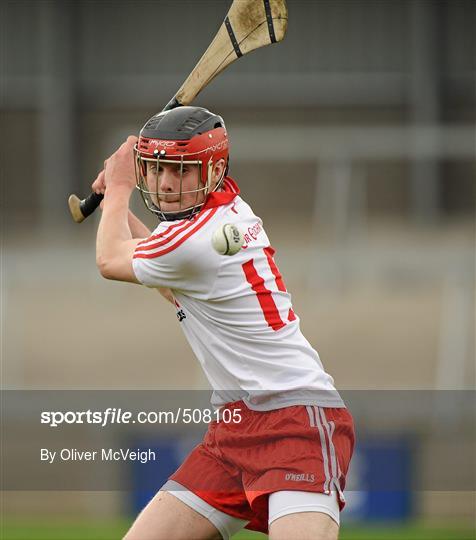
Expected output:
(138, 229)
(125, 251)
(115, 244)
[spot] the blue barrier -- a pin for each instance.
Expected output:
(380, 483)
(147, 478)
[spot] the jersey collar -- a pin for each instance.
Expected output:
(218, 198)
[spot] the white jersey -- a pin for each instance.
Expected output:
(235, 311)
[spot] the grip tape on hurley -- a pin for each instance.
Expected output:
(80, 210)
(90, 203)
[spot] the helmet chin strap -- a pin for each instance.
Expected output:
(175, 216)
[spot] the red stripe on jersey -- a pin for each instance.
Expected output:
(198, 225)
(265, 298)
(169, 238)
(291, 315)
(269, 251)
(162, 234)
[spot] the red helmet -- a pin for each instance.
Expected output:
(184, 135)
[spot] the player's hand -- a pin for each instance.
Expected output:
(119, 169)
(99, 185)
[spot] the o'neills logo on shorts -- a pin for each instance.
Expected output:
(304, 477)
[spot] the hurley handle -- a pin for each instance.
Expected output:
(81, 209)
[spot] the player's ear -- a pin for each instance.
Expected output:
(218, 169)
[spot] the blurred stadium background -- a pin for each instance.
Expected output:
(354, 140)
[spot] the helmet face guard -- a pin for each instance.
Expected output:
(182, 137)
(152, 196)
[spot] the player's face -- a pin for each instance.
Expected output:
(167, 179)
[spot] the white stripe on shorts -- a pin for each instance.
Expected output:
(311, 416)
(325, 458)
(330, 427)
(330, 431)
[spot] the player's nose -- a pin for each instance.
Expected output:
(167, 181)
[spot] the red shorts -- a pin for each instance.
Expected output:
(299, 448)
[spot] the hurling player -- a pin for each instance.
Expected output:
(282, 467)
